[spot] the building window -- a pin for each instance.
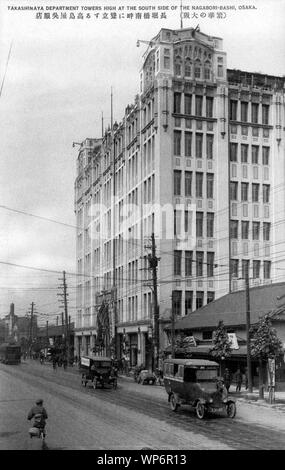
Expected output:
(199, 184)
(207, 334)
(188, 301)
(266, 231)
(234, 267)
(256, 269)
(233, 110)
(188, 183)
(244, 268)
(233, 228)
(266, 269)
(210, 185)
(210, 264)
(254, 154)
(178, 66)
(166, 59)
(209, 107)
(233, 152)
(177, 103)
(244, 229)
(209, 146)
(188, 144)
(188, 263)
(244, 153)
(199, 263)
(266, 192)
(244, 191)
(255, 230)
(177, 183)
(233, 191)
(177, 142)
(244, 111)
(197, 71)
(265, 133)
(188, 68)
(177, 262)
(199, 224)
(210, 224)
(210, 298)
(265, 155)
(199, 299)
(265, 114)
(188, 104)
(199, 145)
(177, 302)
(255, 131)
(254, 113)
(198, 105)
(255, 192)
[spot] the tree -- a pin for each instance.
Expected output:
(183, 345)
(265, 345)
(221, 342)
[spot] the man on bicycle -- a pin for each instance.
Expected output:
(38, 412)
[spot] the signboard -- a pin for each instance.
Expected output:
(233, 340)
(190, 340)
(85, 361)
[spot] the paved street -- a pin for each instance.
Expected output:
(131, 417)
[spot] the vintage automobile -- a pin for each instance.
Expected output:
(146, 377)
(195, 382)
(98, 370)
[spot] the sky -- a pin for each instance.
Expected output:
(57, 84)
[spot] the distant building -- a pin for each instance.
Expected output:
(204, 143)
(18, 329)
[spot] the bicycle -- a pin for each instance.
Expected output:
(40, 433)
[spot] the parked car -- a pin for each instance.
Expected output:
(146, 377)
(196, 382)
(98, 370)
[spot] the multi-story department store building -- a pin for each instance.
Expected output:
(205, 143)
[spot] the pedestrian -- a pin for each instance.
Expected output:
(246, 378)
(227, 379)
(238, 378)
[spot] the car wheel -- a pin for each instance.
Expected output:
(200, 410)
(173, 402)
(231, 410)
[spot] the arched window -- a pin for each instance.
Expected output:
(197, 69)
(188, 66)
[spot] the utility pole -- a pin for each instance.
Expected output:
(32, 329)
(172, 333)
(64, 294)
(153, 262)
(47, 329)
(247, 330)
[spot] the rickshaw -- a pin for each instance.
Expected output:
(99, 371)
(195, 382)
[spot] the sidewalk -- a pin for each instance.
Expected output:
(243, 396)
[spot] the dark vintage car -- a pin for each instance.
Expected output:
(195, 382)
(98, 370)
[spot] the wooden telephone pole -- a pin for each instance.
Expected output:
(153, 262)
